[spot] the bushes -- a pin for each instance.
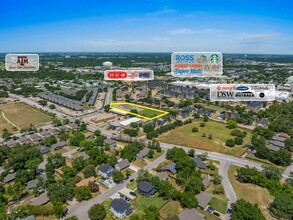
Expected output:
(238, 140)
(230, 143)
(279, 209)
(195, 129)
(245, 210)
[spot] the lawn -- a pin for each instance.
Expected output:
(4, 124)
(170, 209)
(250, 192)
(149, 113)
(220, 133)
(132, 185)
(138, 163)
(156, 155)
(140, 203)
(218, 205)
(23, 115)
(209, 216)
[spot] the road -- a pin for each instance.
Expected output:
(229, 191)
(108, 98)
(81, 209)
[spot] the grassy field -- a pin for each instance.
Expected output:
(23, 115)
(250, 192)
(140, 203)
(219, 205)
(170, 209)
(220, 133)
(208, 215)
(4, 124)
(149, 113)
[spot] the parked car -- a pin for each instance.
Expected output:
(229, 211)
(131, 180)
(216, 214)
(210, 209)
(132, 193)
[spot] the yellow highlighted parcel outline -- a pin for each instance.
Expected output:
(140, 106)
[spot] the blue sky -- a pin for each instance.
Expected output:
(250, 26)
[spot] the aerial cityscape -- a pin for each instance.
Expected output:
(157, 117)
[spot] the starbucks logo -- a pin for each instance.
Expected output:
(214, 58)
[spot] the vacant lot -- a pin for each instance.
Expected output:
(220, 133)
(4, 124)
(23, 115)
(149, 113)
(172, 208)
(250, 192)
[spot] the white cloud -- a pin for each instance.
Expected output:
(191, 31)
(258, 37)
(163, 11)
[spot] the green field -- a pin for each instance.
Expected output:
(149, 113)
(250, 192)
(172, 208)
(183, 136)
(4, 124)
(23, 115)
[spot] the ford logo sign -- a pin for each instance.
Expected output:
(242, 88)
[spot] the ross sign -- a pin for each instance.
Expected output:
(129, 75)
(22, 62)
(236, 92)
(196, 64)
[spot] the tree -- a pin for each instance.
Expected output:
(290, 179)
(210, 136)
(57, 122)
(43, 102)
(57, 192)
(78, 164)
(191, 152)
(151, 213)
(231, 124)
(242, 210)
(58, 209)
(202, 124)
(77, 138)
(238, 140)
(230, 143)
(194, 129)
(82, 193)
(150, 154)
(6, 134)
(272, 172)
(188, 200)
(89, 171)
(118, 176)
(217, 179)
(97, 212)
(219, 190)
(72, 218)
(16, 190)
(205, 118)
(282, 207)
(94, 187)
(112, 161)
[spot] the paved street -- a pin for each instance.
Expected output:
(80, 209)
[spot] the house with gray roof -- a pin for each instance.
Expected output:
(146, 189)
(45, 134)
(191, 214)
(110, 142)
(24, 140)
(171, 168)
(278, 143)
(83, 155)
(122, 165)
(11, 143)
(120, 208)
(206, 181)
(43, 150)
(142, 154)
(41, 200)
(106, 170)
(31, 217)
(263, 122)
(9, 178)
(35, 138)
(32, 184)
(58, 145)
(272, 147)
(199, 163)
(203, 199)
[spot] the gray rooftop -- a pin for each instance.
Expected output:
(142, 153)
(191, 214)
(203, 199)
